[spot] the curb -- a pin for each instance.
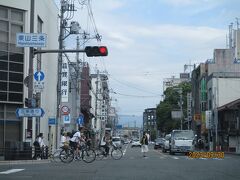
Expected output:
(24, 162)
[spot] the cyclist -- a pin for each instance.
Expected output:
(105, 142)
(75, 142)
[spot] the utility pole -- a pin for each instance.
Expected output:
(30, 68)
(60, 40)
(96, 102)
(180, 91)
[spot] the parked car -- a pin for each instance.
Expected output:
(117, 141)
(159, 143)
(166, 145)
(135, 143)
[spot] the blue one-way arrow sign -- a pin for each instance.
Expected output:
(39, 76)
(29, 112)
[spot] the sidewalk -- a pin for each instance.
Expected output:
(42, 161)
(232, 153)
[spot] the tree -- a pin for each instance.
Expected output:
(171, 102)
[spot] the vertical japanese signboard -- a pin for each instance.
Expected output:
(64, 80)
(208, 119)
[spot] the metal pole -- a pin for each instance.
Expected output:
(31, 55)
(181, 107)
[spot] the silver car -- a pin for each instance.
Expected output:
(166, 145)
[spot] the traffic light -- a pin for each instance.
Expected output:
(96, 51)
(28, 102)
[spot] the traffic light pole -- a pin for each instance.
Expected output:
(30, 66)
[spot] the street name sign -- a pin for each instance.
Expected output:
(31, 39)
(29, 112)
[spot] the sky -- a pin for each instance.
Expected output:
(150, 40)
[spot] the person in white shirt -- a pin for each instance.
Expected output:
(40, 140)
(75, 142)
(64, 140)
(39, 146)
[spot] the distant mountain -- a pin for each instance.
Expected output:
(130, 120)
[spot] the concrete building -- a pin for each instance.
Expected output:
(101, 103)
(150, 122)
(14, 65)
(215, 90)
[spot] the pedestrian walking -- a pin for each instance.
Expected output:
(39, 146)
(144, 142)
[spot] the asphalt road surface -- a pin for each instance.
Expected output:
(133, 166)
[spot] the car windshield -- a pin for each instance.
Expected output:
(183, 135)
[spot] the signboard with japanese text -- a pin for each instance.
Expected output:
(208, 119)
(31, 40)
(29, 112)
(52, 121)
(64, 80)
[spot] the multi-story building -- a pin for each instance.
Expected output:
(215, 91)
(15, 17)
(101, 103)
(150, 122)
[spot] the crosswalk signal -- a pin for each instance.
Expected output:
(92, 51)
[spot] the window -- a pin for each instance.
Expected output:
(3, 13)
(11, 57)
(16, 15)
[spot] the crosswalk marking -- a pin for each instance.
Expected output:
(11, 171)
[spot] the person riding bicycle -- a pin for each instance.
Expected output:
(75, 142)
(105, 142)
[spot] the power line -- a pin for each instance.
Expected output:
(128, 85)
(137, 96)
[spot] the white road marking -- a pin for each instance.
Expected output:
(174, 157)
(11, 171)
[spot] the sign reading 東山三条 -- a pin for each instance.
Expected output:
(31, 40)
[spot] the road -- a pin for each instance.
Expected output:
(132, 166)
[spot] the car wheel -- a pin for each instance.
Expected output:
(163, 150)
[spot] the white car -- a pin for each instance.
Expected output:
(117, 141)
(136, 143)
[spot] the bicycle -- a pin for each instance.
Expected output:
(55, 156)
(116, 152)
(86, 154)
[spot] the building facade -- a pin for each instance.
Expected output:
(14, 67)
(150, 122)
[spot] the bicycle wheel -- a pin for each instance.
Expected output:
(55, 157)
(66, 156)
(88, 156)
(99, 154)
(116, 153)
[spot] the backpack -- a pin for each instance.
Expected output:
(71, 135)
(36, 143)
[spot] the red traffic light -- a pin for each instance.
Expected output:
(96, 51)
